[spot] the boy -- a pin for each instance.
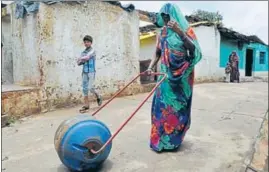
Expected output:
(87, 59)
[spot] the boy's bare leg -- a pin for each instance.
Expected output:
(98, 97)
(86, 105)
(92, 89)
(85, 90)
(86, 101)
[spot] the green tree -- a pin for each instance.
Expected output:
(208, 16)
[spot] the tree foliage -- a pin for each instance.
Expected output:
(208, 16)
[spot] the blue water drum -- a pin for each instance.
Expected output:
(76, 136)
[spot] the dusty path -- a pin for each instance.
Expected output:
(225, 121)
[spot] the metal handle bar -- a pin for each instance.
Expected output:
(136, 110)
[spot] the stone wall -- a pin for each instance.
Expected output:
(49, 42)
(6, 57)
(20, 102)
(208, 68)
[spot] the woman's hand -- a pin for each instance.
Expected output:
(174, 26)
(148, 71)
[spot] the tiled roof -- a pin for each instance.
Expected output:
(127, 7)
(3, 5)
(196, 21)
(255, 38)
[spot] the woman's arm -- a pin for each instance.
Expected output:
(188, 44)
(155, 59)
(157, 55)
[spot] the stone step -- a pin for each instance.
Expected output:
(4, 120)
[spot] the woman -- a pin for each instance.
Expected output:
(179, 51)
(234, 63)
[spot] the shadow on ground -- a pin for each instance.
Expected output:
(106, 166)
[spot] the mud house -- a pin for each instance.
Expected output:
(252, 51)
(7, 61)
(209, 41)
(147, 39)
(42, 46)
(217, 42)
(208, 37)
(41, 43)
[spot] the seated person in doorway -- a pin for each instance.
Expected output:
(227, 72)
(87, 60)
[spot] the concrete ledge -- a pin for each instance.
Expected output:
(50, 104)
(261, 78)
(259, 161)
(200, 80)
(254, 79)
(222, 79)
(20, 102)
(4, 120)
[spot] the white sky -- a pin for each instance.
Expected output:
(247, 17)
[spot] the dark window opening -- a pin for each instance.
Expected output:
(262, 58)
(143, 67)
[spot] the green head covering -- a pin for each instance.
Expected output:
(175, 15)
(173, 39)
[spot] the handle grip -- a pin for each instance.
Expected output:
(136, 110)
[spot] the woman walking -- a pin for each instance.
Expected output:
(179, 51)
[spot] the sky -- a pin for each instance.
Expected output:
(247, 17)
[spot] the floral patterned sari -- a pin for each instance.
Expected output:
(171, 107)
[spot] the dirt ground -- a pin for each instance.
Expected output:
(226, 119)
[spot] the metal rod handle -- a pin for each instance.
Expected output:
(136, 110)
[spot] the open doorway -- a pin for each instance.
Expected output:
(249, 62)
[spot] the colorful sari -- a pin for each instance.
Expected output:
(234, 63)
(171, 106)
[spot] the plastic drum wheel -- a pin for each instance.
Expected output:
(76, 136)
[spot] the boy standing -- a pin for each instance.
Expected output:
(87, 59)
